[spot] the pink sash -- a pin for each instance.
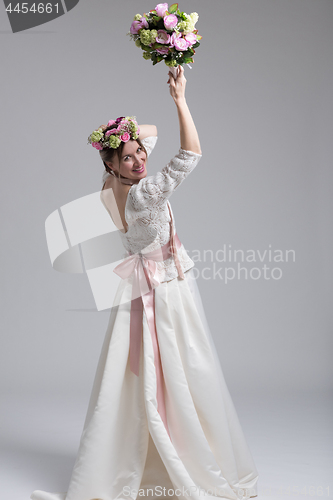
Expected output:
(143, 267)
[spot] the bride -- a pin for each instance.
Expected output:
(160, 420)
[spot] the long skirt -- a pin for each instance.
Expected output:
(190, 445)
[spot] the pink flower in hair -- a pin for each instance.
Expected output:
(111, 122)
(118, 120)
(97, 145)
(112, 131)
(125, 137)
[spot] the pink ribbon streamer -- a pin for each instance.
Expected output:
(143, 268)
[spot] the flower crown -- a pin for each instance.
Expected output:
(127, 128)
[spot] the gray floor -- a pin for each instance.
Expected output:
(290, 436)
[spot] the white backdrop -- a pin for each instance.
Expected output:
(260, 92)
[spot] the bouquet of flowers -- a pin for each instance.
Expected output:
(166, 34)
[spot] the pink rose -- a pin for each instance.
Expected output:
(161, 9)
(170, 21)
(163, 50)
(111, 122)
(125, 137)
(173, 37)
(191, 38)
(97, 145)
(112, 131)
(162, 37)
(135, 27)
(181, 44)
(144, 23)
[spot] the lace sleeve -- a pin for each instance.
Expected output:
(149, 143)
(156, 189)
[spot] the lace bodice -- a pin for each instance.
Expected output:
(147, 213)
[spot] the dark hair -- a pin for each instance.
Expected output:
(108, 154)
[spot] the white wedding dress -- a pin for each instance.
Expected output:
(196, 449)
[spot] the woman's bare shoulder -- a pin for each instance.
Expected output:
(119, 190)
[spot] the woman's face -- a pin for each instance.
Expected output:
(132, 161)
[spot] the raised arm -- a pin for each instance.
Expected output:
(147, 131)
(189, 139)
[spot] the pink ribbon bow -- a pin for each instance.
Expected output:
(143, 268)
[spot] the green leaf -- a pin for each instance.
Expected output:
(159, 23)
(159, 58)
(195, 45)
(173, 8)
(146, 48)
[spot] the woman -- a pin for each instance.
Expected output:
(160, 421)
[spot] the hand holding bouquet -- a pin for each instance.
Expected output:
(166, 34)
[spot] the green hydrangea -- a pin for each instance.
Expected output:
(153, 35)
(189, 27)
(181, 26)
(97, 135)
(146, 55)
(170, 63)
(194, 17)
(145, 37)
(114, 141)
(137, 17)
(133, 127)
(138, 42)
(134, 136)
